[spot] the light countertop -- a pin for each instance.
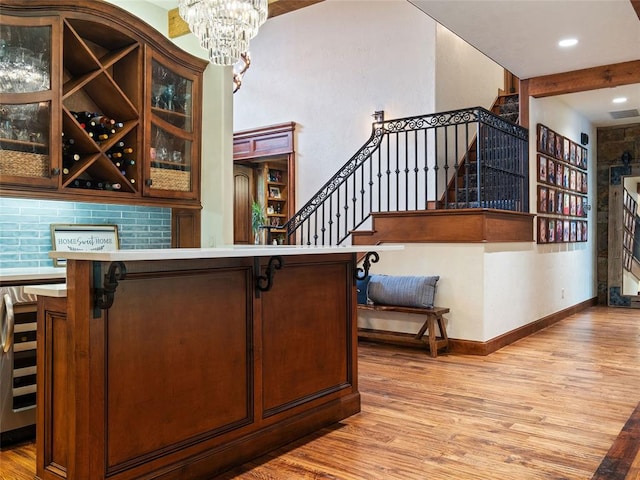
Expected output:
(30, 274)
(234, 251)
(51, 290)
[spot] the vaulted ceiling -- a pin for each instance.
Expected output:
(523, 36)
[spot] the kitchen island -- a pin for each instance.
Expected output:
(182, 363)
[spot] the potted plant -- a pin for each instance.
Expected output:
(258, 219)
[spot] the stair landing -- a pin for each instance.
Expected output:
(447, 226)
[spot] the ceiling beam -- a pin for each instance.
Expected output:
(636, 6)
(280, 7)
(606, 76)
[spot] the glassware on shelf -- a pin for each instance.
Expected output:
(24, 59)
(24, 127)
(171, 97)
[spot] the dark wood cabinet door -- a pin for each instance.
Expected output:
(306, 339)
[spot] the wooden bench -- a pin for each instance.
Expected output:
(434, 315)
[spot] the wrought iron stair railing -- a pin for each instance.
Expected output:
(407, 164)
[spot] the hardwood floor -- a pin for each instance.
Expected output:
(550, 406)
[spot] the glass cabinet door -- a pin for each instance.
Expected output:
(170, 158)
(172, 149)
(27, 99)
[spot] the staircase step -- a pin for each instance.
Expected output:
(511, 117)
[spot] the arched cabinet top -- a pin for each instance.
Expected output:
(110, 16)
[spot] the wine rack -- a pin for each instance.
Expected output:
(98, 67)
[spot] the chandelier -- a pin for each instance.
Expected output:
(224, 27)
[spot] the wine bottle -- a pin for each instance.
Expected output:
(119, 150)
(101, 120)
(98, 132)
(67, 140)
(83, 118)
(112, 186)
(122, 149)
(69, 156)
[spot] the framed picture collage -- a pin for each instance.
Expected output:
(562, 186)
(629, 220)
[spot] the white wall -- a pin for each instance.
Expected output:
(461, 287)
(217, 131)
(464, 76)
(328, 67)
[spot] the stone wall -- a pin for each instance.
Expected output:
(612, 143)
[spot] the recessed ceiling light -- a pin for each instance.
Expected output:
(620, 100)
(568, 42)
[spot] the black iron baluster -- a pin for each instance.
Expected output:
(426, 169)
(397, 171)
(346, 213)
(315, 227)
(456, 165)
(416, 170)
(331, 220)
(338, 214)
(436, 166)
(388, 173)
(467, 162)
(354, 199)
(323, 229)
(406, 171)
(362, 191)
(446, 158)
(479, 157)
(371, 185)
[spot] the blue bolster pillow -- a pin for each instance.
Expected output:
(402, 290)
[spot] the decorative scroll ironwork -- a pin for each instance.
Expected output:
(410, 164)
(264, 282)
(443, 119)
(338, 179)
(489, 118)
(369, 258)
(103, 297)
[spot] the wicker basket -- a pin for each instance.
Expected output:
(23, 164)
(164, 179)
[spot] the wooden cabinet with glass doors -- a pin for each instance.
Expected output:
(96, 105)
(28, 106)
(173, 144)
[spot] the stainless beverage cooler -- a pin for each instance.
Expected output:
(18, 328)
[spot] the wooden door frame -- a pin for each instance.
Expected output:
(271, 141)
